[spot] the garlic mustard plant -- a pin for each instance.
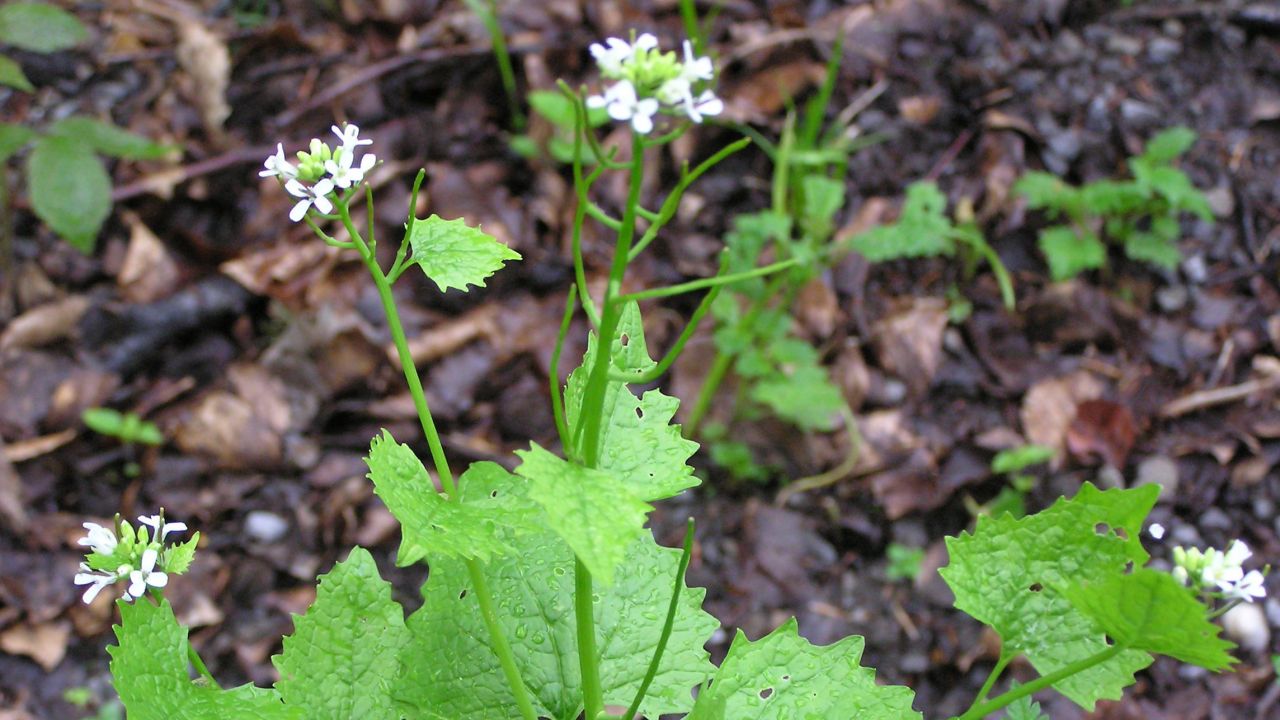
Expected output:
(648, 80)
(548, 597)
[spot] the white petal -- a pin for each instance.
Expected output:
(299, 210)
(596, 101)
(367, 162)
(297, 189)
(642, 123)
(149, 557)
(323, 205)
(137, 584)
(92, 592)
(158, 580)
(322, 188)
(646, 42)
(174, 527)
(1238, 553)
(709, 104)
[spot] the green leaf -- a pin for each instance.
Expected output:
(12, 139)
(432, 526)
(803, 396)
(783, 676)
(823, 198)
(1149, 610)
(337, 664)
(40, 28)
(1150, 247)
(554, 106)
(1108, 197)
(1070, 254)
(456, 255)
(108, 139)
(638, 445)
(922, 230)
(11, 75)
(70, 190)
(1024, 708)
(449, 666)
(595, 513)
(177, 558)
(1169, 144)
(1020, 458)
(1045, 191)
(149, 671)
(1005, 571)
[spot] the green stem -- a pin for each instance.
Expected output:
(689, 14)
(194, 658)
(488, 14)
(1040, 683)
(581, 185)
(584, 614)
(501, 647)
(557, 399)
(710, 282)
(999, 667)
(667, 626)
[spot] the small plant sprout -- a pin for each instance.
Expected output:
(649, 81)
(142, 557)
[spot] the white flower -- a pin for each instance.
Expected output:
(616, 52)
(146, 575)
(675, 91)
(1156, 530)
(707, 104)
(1237, 554)
(95, 579)
(622, 104)
(696, 68)
(350, 136)
(102, 540)
(277, 166)
(160, 528)
(343, 174)
(316, 195)
(1247, 588)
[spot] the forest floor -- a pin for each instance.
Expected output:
(261, 355)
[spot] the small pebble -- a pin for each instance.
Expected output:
(265, 526)
(1162, 50)
(1138, 112)
(1215, 519)
(1195, 269)
(1222, 202)
(1109, 477)
(1185, 535)
(1272, 608)
(1246, 624)
(914, 662)
(1172, 298)
(1124, 44)
(1264, 508)
(1159, 470)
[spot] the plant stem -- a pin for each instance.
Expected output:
(667, 625)
(996, 670)
(487, 11)
(194, 658)
(501, 647)
(710, 282)
(1040, 683)
(584, 614)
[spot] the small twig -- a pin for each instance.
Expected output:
(1202, 399)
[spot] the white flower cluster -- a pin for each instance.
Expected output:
(324, 167)
(648, 80)
(134, 555)
(1216, 571)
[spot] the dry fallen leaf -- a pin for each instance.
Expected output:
(149, 272)
(1049, 407)
(45, 323)
(208, 63)
(1103, 428)
(46, 643)
(909, 341)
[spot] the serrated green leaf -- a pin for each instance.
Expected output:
(1149, 610)
(432, 526)
(638, 444)
(1045, 191)
(449, 667)
(108, 139)
(803, 396)
(11, 75)
(594, 512)
(338, 662)
(1174, 186)
(1169, 144)
(1149, 247)
(1069, 254)
(454, 254)
(12, 139)
(823, 198)
(70, 190)
(40, 28)
(1105, 197)
(177, 558)
(149, 671)
(1024, 708)
(782, 676)
(922, 230)
(1005, 571)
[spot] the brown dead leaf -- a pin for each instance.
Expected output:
(46, 643)
(909, 340)
(225, 427)
(816, 307)
(1102, 428)
(872, 212)
(445, 338)
(13, 514)
(149, 271)
(919, 109)
(1049, 408)
(765, 93)
(207, 62)
(45, 323)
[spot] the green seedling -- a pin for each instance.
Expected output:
(560, 113)
(127, 427)
(924, 230)
(903, 562)
(1012, 463)
(487, 11)
(66, 181)
(549, 598)
(1141, 215)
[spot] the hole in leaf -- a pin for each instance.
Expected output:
(623, 339)
(493, 494)
(1128, 568)
(1036, 587)
(1102, 528)
(786, 678)
(1122, 533)
(462, 594)
(765, 693)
